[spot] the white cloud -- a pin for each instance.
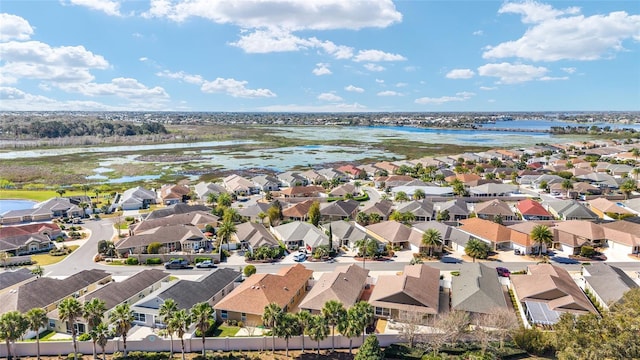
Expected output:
(569, 70)
(352, 88)
(234, 88)
(410, 68)
(461, 96)
(553, 78)
(109, 7)
(402, 84)
(478, 33)
(17, 100)
(342, 107)
(377, 56)
(14, 27)
(512, 73)
(127, 88)
(322, 69)
(143, 59)
(488, 88)
(181, 75)
(565, 34)
(329, 96)
(380, 81)
(460, 74)
(292, 15)
(389, 93)
(374, 67)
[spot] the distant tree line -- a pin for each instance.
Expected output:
(59, 129)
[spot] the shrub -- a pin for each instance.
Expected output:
(84, 337)
(455, 273)
(131, 261)
(129, 219)
(71, 357)
(587, 251)
(154, 261)
(154, 248)
(249, 270)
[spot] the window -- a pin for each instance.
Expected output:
(52, 324)
(243, 317)
(223, 314)
(139, 317)
(382, 311)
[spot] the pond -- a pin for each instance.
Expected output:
(8, 205)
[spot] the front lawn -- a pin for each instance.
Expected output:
(35, 195)
(46, 259)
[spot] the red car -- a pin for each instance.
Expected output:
(504, 272)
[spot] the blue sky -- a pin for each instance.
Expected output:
(319, 55)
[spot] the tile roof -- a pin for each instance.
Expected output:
(583, 228)
(532, 208)
(607, 206)
(494, 207)
(416, 289)
(298, 210)
(485, 229)
(395, 232)
(624, 232)
(344, 284)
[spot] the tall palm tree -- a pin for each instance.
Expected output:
(286, 328)
(431, 238)
(94, 312)
(69, 310)
(166, 311)
(351, 326)
(366, 314)
(318, 329)
(270, 318)
(202, 316)
(122, 319)
(366, 247)
(12, 327)
(335, 313)
(567, 185)
(61, 192)
(628, 187)
(476, 249)
(303, 321)
(181, 321)
(100, 334)
(636, 172)
(226, 229)
(37, 319)
(83, 205)
(636, 153)
(541, 235)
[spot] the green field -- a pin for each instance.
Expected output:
(35, 195)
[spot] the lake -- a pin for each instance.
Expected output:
(7, 205)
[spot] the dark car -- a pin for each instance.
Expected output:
(176, 264)
(504, 272)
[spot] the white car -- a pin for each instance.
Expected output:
(206, 264)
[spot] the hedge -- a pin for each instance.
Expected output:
(154, 261)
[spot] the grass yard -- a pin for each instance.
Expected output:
(223, 331)
(46, 259)
(35, 195)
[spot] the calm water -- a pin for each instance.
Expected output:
(547, 124)
(7, 205)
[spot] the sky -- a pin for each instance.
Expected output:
(319, 55)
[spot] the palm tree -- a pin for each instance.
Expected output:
(362, 218)
(351, 326)
(567, 185)
(166, 311)
(636, 153)
(4, 257)
(37, 319)
(270, 318)
(69, 310)
(366, 247)
(202, 314)
(287, 327)
(100, 335)
(85, 188)
(303, 321)
(458, 187)
(476, 249)
(401, 196)
(97, 191)
(12, 327)
(94, 312)
(541, 235)
(628, 187)
(418, 194)
(83, 205)
(357, 185)
(226, 229)
(335, 314)
(224, 200)
(122, 319)
(374, 218)
(366, 313)
(431, 238)
(61, 192)
(318, 329)
(636, 172)
(181, 322)
(38, 271)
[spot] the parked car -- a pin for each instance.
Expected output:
(300, 257)
(504, 272)
(207, 264)
(176, 264)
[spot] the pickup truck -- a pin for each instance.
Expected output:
(176, 264)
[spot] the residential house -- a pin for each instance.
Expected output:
(345, 233)
(29, 238)
(429, 191)
(521, 238)
(414, 291)
(496, 235)
(180, 237)
(477, 290)
(451, 237)
(128, 291)
(252, 212)
(493, 189)
(176, 210)
(489, 210)
(198, 218)
(345, 284)
(246, 302)
(606, 283)
(533, 210)
(352, 171)
(422, 210)
(299, 234)
(383, 208)
(569, 210)
(608, 210)
(389, 167)
(546, 292)
(623, 236)
(204, 189)
(344, 190)
(570, 236)
(298, 211)
(266, 183)
(211, 288)
(604, 181)
(240, 186)
(174, 194)
(44, 211)
(313, 177)
(396, 234)
(464, 178)
(292, 178)
(585, 189)
(252, 235)
(457, 209)
(333, 174)
(303, 191)
(12, 279)
(135, 199)
(340, 210)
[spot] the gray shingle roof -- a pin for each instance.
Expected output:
(115, 293)
(609, 282)
(477, 289)
(10, 278)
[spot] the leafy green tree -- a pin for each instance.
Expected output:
(374, 218)
(12, 327)
(541, 235)
(122, 320)
(69, 310)
(477, 249)
(36, 319)
(370, 350)
(93, 312)
(431, 238)
(318, 329)
(287, 327)
(274, 213)
(154, 248)
(166, 311)
(270, 318)
(249, 270)
(335, 314)
(314, 213)
(202, 316)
